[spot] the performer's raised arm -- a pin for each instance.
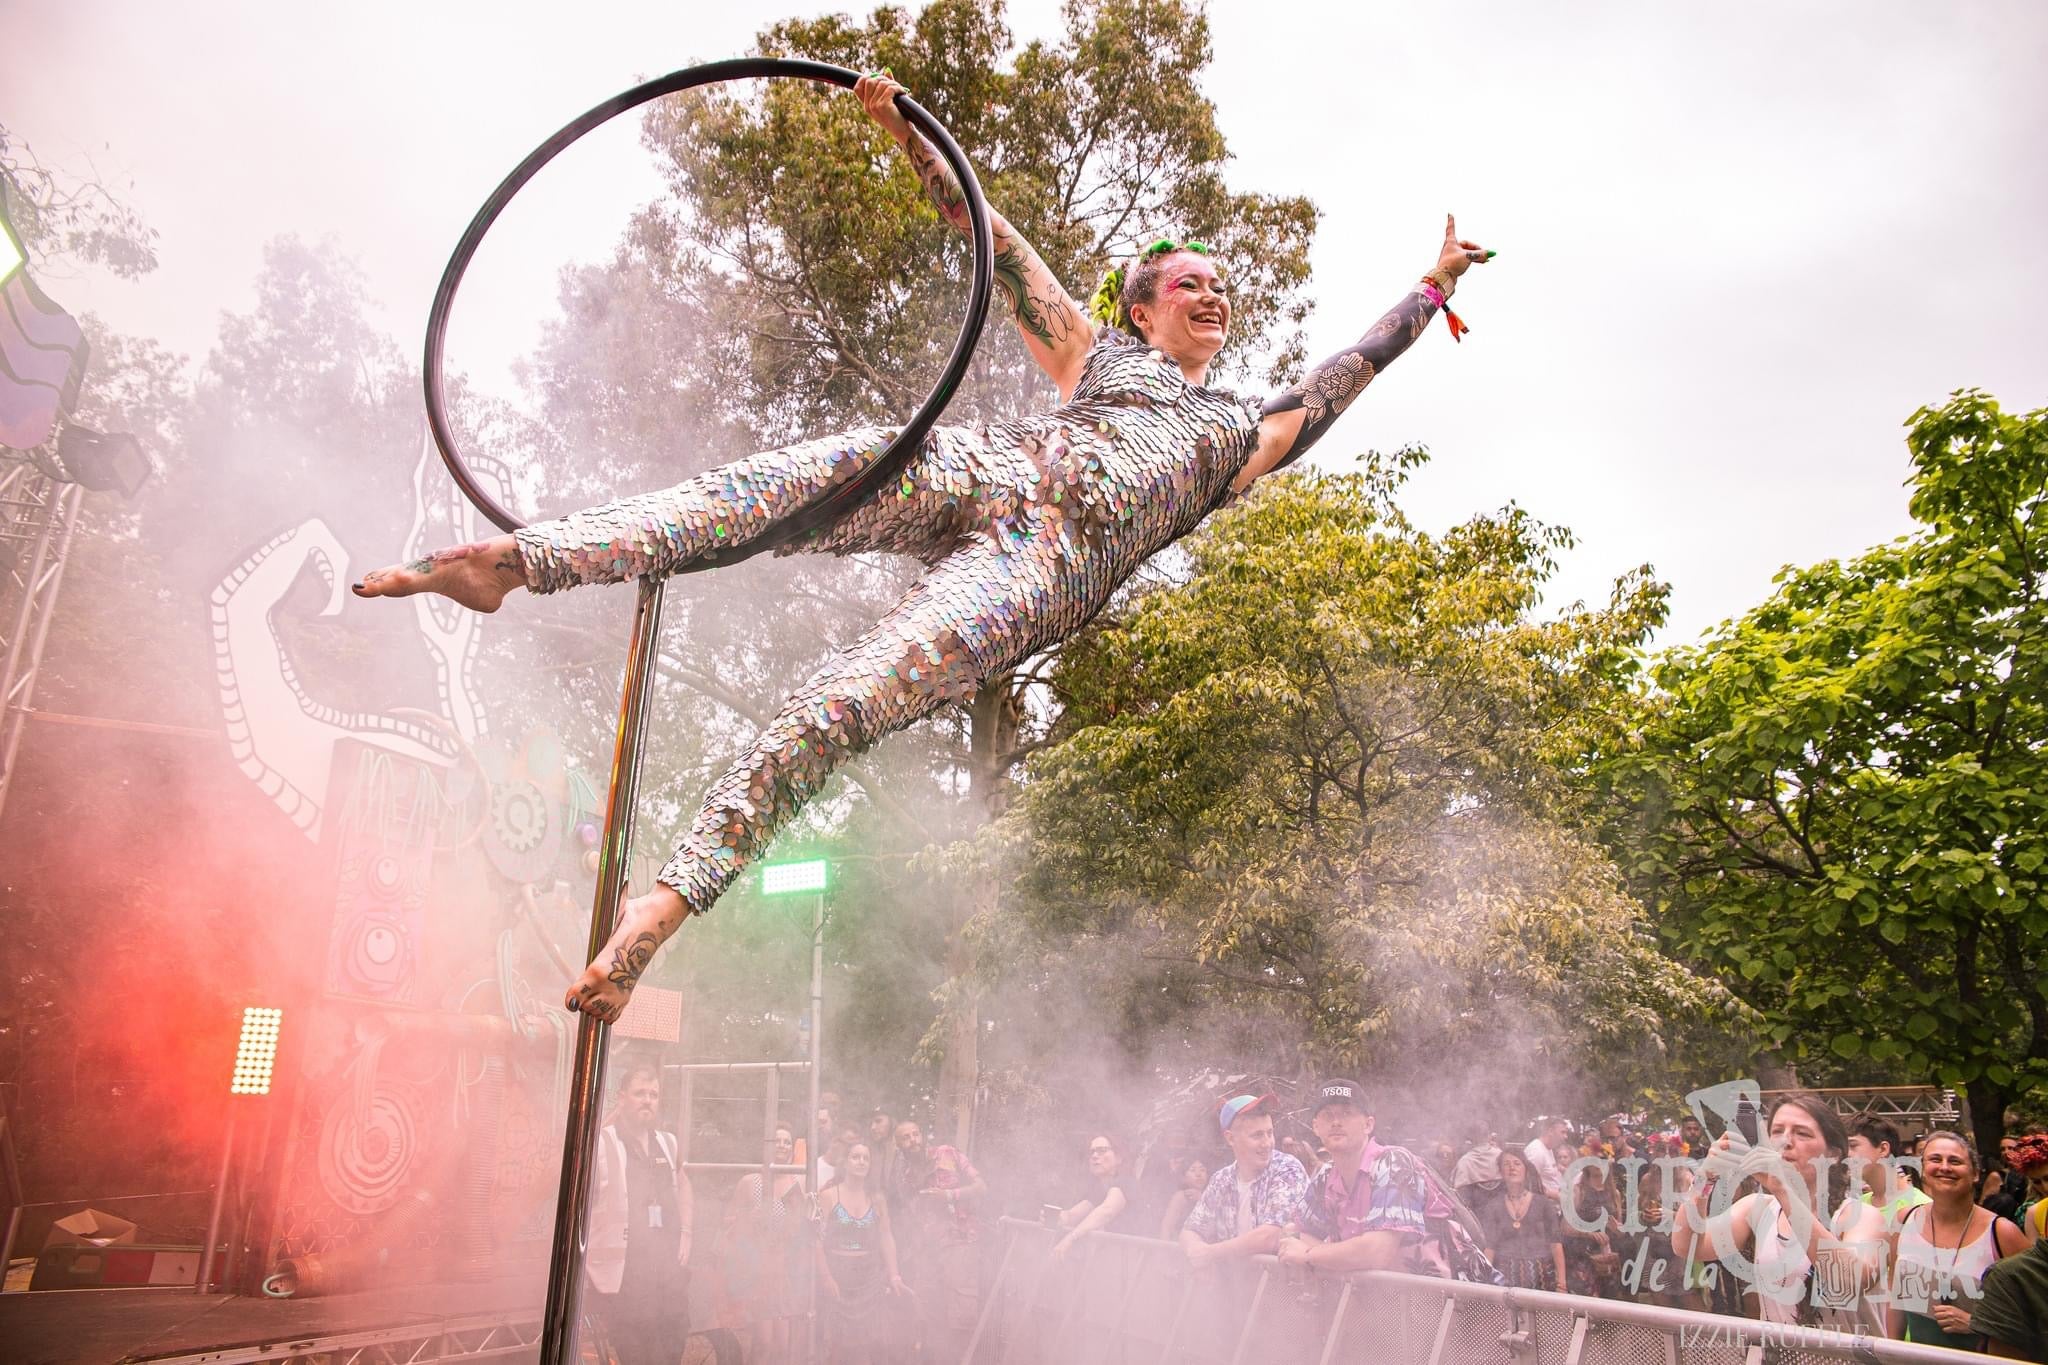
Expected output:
(1056, 331)
(1297, 418)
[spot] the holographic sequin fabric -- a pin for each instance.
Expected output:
(1026, 529)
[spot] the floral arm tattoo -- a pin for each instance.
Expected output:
(1040, 306)
(1329, 388)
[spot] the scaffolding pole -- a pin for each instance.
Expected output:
(38, 516)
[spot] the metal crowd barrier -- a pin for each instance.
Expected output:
(1120, 1300)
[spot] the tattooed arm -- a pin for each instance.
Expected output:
(1056, 331)
(1297, 419)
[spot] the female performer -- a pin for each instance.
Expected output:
(1025, 527)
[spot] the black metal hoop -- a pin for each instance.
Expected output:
(893, 459)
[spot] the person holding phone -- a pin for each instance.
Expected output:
(1807, 1265)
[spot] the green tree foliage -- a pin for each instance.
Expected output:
(1090, 146)
(68, 220)
(1839, 800)
(1306, 807)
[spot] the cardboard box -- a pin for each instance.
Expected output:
(90, 1227)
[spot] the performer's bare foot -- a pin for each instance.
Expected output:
(645, 922)
(477, 575)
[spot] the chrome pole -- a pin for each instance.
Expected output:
(586, 1084)
(220, 1196)
(817, 1060)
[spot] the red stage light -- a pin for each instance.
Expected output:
(257, 1054)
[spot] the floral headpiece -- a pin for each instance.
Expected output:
(1106, 305)
(2030, 1154)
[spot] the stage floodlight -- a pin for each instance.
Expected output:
(257, 1055)
(785, 879)
(106, 462)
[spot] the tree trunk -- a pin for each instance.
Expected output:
(1986, 1102)
(992, 736)
(1774, 1072)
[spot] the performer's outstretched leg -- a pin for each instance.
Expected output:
(978, 611)
(649, 533)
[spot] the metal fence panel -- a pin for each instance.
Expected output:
(1118, 1300)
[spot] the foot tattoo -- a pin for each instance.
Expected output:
(476, 575)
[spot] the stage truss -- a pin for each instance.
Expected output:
(493, 1337)
(37, 517)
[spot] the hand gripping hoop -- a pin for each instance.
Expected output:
(884, 470)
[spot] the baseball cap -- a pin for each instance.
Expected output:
(1337, 1092)
(1236, 1106)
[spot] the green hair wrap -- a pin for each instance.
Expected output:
(1106, 307)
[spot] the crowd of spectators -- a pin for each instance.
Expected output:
(1820, 1222)
(1854, 1225)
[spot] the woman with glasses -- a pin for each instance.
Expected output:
(1103, 1204)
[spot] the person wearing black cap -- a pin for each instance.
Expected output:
(1249, 1202)
(1375, 1207)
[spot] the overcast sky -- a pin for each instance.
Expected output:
(1740, 242)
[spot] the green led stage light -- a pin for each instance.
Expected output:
(784, 879)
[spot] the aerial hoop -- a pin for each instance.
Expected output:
(884, 470)
(579, 1133)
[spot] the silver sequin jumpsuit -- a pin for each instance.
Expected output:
(1025, 528)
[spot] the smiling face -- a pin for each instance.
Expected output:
(785, 1146)
(1188, 316)
(1948, 1167)
(857, 1160)
(1250, 1140)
